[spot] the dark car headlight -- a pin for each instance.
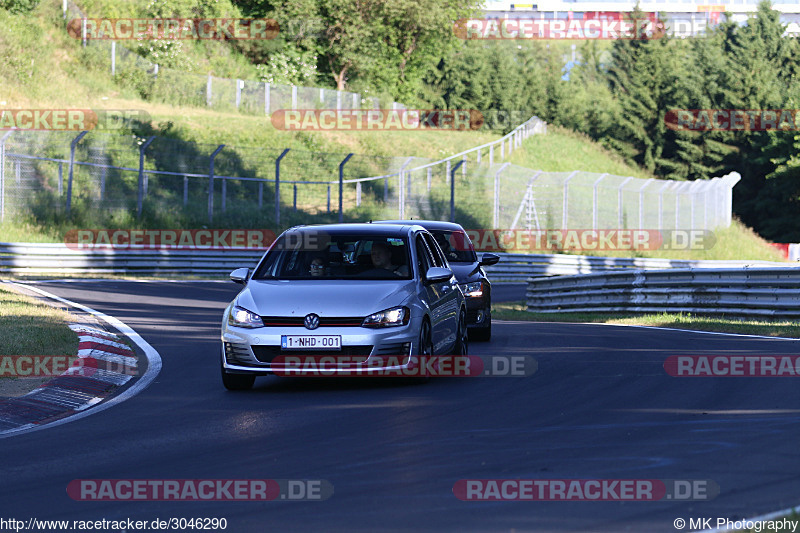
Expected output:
(242, 318)
(473, 289)
(396, 316)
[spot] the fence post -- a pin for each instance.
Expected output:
(294, 200)
(453, 191)
(447, 172)
(358, 194)
(211, 182)
(594, 200)
(72, 146)
(565, 211)
(619, 200)
(239, 84)
(278, 187)
(491, 154)
(329, 198)
(641, 202)
(140, 195)
(294, 97)
(103, 182)
(497, 195)
(430, 172)
(661, 203)
(3, 174)
(185, 191)
(224, 193)
(341, 182)
(479, 156)
(266, 98)
(260, 194)
(208, 91)
(113, 58)
(678, 192)
(60, 178)
(385, 189)
(400, 191)
(356, 101)
(338, 100)
(83, 32)
(322, 95)
(464, 167)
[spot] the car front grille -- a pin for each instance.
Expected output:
(324, 321)
(266, 354)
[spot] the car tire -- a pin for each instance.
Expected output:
(424, 348)
(462, 336)
(237, 381)
(425, 344)
(481, 334)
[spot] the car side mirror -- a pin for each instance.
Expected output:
(438, 275)
(489, 259)
(240, 275)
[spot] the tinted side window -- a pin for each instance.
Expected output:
(423, 257)
(438, 258)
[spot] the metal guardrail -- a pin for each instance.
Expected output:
(520, 267)
(742, 291)
(57, 258)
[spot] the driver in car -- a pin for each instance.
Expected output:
(381, 256)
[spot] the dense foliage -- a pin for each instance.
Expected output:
(619, 94)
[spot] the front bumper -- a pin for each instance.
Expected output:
(479, 313)
(258, 351)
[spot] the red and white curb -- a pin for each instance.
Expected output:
(104, 364)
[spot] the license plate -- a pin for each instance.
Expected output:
(311, 342)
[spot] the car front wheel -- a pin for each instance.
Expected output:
(237, 381)
(462, 336)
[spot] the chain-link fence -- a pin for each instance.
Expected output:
(176, 87)
(126, 177)
(119, 179)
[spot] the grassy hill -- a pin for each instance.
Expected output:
(42, 67)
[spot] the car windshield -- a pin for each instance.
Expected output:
(318, 255)
(456, 246)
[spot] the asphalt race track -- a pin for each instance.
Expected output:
(600, 406)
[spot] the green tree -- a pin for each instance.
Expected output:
(19, 6)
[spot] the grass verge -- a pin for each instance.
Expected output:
(779, 328)
(31, 328)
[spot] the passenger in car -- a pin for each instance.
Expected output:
(317, 268)
(382, 258)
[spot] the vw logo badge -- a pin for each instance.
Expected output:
(311, 321)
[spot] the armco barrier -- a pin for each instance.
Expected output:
(36, 258)
(742, 291)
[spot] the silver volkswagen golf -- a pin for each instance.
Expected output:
(366, 294)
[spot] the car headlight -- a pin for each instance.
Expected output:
(242, 318)
(396, 316)
(472, 290)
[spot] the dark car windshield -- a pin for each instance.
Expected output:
(320, 255)
(456, 246)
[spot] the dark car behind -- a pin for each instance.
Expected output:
(468, 269)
